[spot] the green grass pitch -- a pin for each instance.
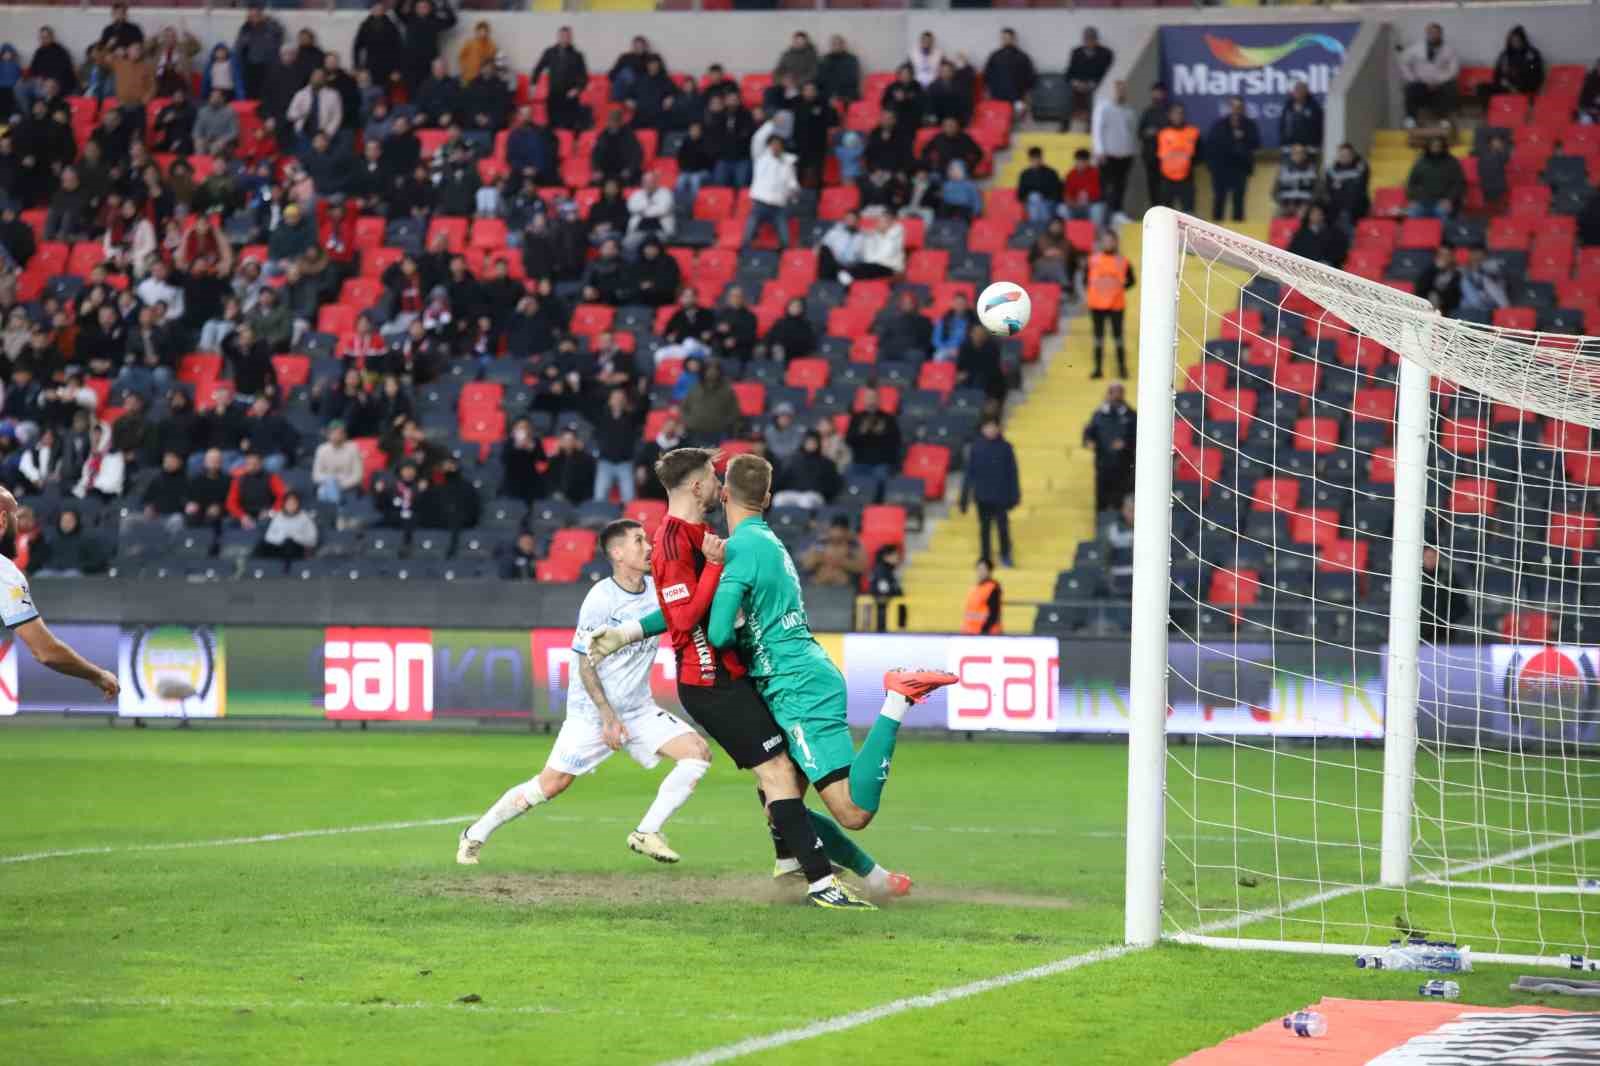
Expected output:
(358, 947)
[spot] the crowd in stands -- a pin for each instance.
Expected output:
(262, 299)
(1287, 525)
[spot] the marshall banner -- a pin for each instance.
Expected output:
(1205, 65)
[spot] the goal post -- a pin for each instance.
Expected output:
(1364, 694)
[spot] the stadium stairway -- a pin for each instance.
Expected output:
(1045, 425)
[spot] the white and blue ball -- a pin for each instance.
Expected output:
(1003, 308)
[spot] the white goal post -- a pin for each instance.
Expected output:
(1365, 665)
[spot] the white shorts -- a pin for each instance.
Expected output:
(581, 748)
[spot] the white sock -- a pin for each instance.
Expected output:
(787, 866)
(895, 706)
(517, 801)
(878, 879)
(818, 886)
(675, 790)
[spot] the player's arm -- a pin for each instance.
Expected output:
(725, 608)
(685, 600)
(50, 650)
(612, 729)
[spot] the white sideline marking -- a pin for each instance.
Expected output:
(899, 1006)
(940, 997)
(225, 842)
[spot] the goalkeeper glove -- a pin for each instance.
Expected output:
(609, 641)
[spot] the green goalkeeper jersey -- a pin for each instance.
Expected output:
(760, 580)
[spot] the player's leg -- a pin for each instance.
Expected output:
(810, 705)
(843, 852)
(734, 716)
(653, 736)
(579, 748)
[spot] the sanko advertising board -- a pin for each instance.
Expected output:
(1488, 695)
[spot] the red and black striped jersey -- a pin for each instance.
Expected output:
(685, 583)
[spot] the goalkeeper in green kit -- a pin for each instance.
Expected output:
(758, 605)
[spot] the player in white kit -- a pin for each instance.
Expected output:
(611, 710)
(20, 616)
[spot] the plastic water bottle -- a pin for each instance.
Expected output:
(1578, 962)
(1440, 990)
(1307, 1023)
(1419, 955)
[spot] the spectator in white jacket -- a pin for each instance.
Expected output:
(841, 246)
(337, 467)
(774, 184)
(925, 60)
(291, 532)
(316, 109)
(1430, 67)
(883, 253)
(650, 212)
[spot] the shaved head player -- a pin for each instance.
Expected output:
(21, 617)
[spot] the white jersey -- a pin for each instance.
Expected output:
(16, 599)
(625, 676)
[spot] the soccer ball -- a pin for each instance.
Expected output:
(1003, 308)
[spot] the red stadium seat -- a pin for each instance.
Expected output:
(455, 229)
(1375, 403)
(1524, 318)
(360, 292)
(1473, 496)
(1237, 406)
(1574, 530)
(1342, 555)
(752, 398)
(882, 524)
(488, 233)
(478, 397)
(1237, 323)
(834, 202)
(849, 321)
(937, 377)
(336, 318)
(376, 260)
(648, 513)
(864, 349)
(1533, 200)
(553, 571)
(931, 463)
(1317, 435)
(719, 264)
(293, 371)
(1531, 626)
(928, 266)
(370, 232)
(1463, 436)
(1298, 376)
(50, 259)
(590, 320)
(1507, 109)
(713, 203)
(86, 255)
(1314, 527)
(810, 374)
(1421, 233)
(1234, 588)
(798, 264)
(1389, 201)
(484, 429)
(1276, 494)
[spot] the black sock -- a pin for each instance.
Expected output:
(789, 820)
(780, 846)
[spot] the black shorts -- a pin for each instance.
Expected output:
(734, 715)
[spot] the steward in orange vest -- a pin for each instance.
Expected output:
(982, 614)
(1175, 150)
(1106, 283)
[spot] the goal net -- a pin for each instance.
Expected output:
(1366, 643)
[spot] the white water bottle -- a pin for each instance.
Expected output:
(1418, 956)
(1306, 1023)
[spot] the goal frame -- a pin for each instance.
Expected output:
(1163, 249)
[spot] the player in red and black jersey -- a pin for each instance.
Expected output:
(686, 562)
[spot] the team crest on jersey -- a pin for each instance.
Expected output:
(674, 593)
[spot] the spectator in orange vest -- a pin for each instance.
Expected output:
(1175, 148)
(1106, 283)
(982, 613)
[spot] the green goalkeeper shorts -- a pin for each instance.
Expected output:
(810, 704)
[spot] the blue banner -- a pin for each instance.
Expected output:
(1204, 66)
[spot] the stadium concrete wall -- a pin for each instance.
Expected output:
(751, 41)
(286, 602)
